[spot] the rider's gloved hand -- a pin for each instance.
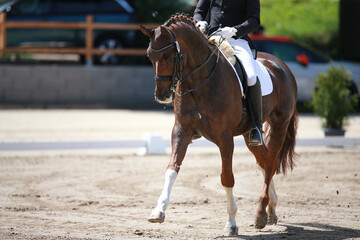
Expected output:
(203, 26)
(227, 32)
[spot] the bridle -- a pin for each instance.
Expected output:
(176, 78)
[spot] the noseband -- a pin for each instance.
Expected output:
(176, 78)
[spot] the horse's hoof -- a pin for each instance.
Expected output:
(272, 220)
(157, 217)
(261, 222)
(231, 231)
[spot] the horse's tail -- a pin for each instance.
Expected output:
(287, 155)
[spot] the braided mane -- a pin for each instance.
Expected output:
(184, 18)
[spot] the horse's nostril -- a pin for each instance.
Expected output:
(165, 97)
(161, 97)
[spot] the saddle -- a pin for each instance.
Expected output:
(260, 69)
(240, 70)
(229, 53)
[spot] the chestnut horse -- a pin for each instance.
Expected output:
(198, 79)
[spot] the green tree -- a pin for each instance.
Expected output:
(312, 22)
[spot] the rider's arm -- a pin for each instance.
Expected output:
(253, 21)
(201, 10)
(247, 27)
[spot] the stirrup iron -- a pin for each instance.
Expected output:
(255, 137)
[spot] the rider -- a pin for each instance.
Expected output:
(233, 20)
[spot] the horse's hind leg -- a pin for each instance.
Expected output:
(271, 208)
(267, 158)
(261, 155)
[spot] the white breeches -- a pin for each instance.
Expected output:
(243, 52)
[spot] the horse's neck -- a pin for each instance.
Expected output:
(221, 91)
(194, 42)
(198, 51)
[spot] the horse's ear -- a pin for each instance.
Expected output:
(163, 30)
(147, 31)
(165, 33)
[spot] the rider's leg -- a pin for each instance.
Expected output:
(243, 52)
(254, 92)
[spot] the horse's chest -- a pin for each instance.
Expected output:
(193, 117)
(200, 122)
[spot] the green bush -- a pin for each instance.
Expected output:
(332, 99)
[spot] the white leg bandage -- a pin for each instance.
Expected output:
(164, 199)
(231, 207)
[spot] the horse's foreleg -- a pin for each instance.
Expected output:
(158, 213)
(179, 141)
(230, 226)
(227, 180)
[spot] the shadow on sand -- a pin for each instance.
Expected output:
(304, 231)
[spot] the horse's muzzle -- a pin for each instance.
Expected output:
(164, 100)
(164, 96)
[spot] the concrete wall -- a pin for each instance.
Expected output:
(122, 86)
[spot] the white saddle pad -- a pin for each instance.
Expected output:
(263, 75)
(265, 79)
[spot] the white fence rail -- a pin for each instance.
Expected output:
(154, 144)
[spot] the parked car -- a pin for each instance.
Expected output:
(305, 63)
(105, 11)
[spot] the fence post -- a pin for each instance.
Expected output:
(2, 34)
(89, 40)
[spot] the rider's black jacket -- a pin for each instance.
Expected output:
(244, 15)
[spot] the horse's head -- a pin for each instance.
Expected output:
(164, 53)
(171, 62)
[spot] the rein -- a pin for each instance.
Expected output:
(176, 78)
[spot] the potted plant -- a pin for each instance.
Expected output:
(332, 99)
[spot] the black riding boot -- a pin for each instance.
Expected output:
(255, 99)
